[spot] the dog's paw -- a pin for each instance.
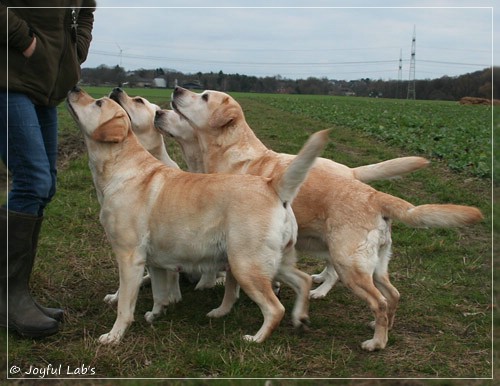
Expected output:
(204, 284)
(318, 279)
(146, 280)
(372, 345)
(111, 299)
(302, 323)
(250, 338)
(217, 312)
(150, 317)
(109, 339)
(315, 294)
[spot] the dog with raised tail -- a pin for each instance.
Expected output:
(341, 218)
(170, 219)
(173, 125)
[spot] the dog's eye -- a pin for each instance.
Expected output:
(138, 100)
(98, 102)
(204, 97)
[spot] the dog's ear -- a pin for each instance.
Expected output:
(225, 114)
(115, 130)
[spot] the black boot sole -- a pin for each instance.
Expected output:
(34, 334)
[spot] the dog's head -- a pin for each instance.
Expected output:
(208, 110)
(140, 110)
(100, 120)
(168, 122)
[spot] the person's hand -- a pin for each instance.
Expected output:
(29, 51)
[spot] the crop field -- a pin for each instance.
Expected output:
(444, 324)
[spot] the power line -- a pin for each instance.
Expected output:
(453, 63)
(246, 49)
(164, 58)
(208, 61)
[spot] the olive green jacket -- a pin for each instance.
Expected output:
(54, 67)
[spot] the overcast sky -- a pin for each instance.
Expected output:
(296, 38)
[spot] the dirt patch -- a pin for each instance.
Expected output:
(479, 101)
(70, 148)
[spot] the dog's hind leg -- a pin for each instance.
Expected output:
(271, 308)
(257, 284)
(362, 286)
(165, 287)
(301, 284)
(355, 262)
(382, 282)
(131, 269)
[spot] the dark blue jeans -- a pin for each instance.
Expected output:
(28, 146)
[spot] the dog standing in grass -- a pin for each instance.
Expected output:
(176, 220)
(342, 218)
(142, 114)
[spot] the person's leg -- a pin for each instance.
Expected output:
(23, 147)
(27, 160)
(47, 117)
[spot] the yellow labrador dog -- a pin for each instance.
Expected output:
(176, 220)
(142, 115)
(343, 217)
(175, 126)
(140, 112)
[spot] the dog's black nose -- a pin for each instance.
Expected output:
(178, 90)
(76, 89)
(117, 90)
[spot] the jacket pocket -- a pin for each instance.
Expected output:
(39, 71)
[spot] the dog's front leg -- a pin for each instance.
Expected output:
(207, 280)
(131, 270)
(328, 278)
(112, 299)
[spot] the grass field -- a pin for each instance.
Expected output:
(443, 326)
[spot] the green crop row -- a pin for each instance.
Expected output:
(459, 135)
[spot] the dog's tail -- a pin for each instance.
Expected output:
(392, 168)
(288, 183)
(429, 215)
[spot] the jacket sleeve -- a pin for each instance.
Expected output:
(18, 31)
(85, 24)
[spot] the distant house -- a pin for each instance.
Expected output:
(159, 82)
(192, 85)
(347, 92)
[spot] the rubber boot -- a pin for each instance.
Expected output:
(23, 314)
(54, 313)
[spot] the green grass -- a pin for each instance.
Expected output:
(459, 135)
(443, 326)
